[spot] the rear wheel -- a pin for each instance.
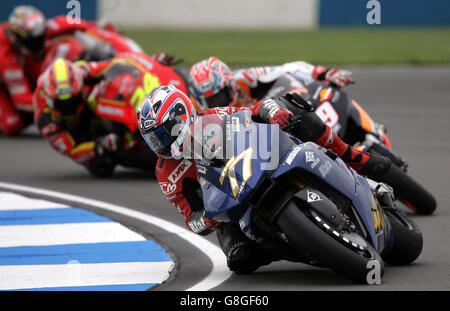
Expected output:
(409, 191)
(306, 235)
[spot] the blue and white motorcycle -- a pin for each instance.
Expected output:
(300, 200)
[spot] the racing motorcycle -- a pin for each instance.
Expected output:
(92, 45)
(354, 125)
(113, 102)
(299, 200)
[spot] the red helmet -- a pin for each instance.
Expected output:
(62, 83)
(165, 117)
(212, 84)
(26, 29)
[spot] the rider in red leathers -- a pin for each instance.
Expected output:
(108, 91)
(22, 50)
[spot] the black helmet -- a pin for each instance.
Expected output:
(26, 29)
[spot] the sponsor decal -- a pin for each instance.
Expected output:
(110, 110)
(310, 156)
(60, 145)
(326, 94)
(201, 169)
(64, 90)
(314, 164)
(179, 171)
(13, 74)
(293, 154)
(17, 89)
(222, 112)
(247, 122)
(325, 168)
(235, 124)
(378, 221)
(148, 124)
(228, 128)
(167, 188)
(173, 197)
(312, 196)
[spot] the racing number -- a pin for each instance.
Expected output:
(149, 83)
(327, 114)
(230, 168)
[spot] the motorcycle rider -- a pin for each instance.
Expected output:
(167, 108)
(213, 84)
(22, 48)
(70, 97)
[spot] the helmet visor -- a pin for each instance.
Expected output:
(159, 140)
(67, 107)
(223, 98)
(35, 43)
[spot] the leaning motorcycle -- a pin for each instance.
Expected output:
(299, 200)
(115, 100)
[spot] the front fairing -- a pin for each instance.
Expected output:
(226, 187)
(253, 150)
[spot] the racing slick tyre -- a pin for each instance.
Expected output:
(306, 236)
(409, 191)
(407, 240)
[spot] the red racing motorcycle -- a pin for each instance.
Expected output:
(114, 101)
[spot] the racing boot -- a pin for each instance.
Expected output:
(243, 255)
(370, 165)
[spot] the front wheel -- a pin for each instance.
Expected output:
(407, 240)
(305, 235)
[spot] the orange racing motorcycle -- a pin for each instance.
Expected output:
(354, 125)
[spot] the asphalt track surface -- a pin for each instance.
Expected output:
(413, 102)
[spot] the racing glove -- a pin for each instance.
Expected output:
(305, 125)
(335, 76)
(103, 163)
(199, 224)
(273, 111)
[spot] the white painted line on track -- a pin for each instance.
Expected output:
(216, 276)
(56, 234)
(24, 203)
(70, 275)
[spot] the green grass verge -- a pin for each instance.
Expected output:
(324, 46)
